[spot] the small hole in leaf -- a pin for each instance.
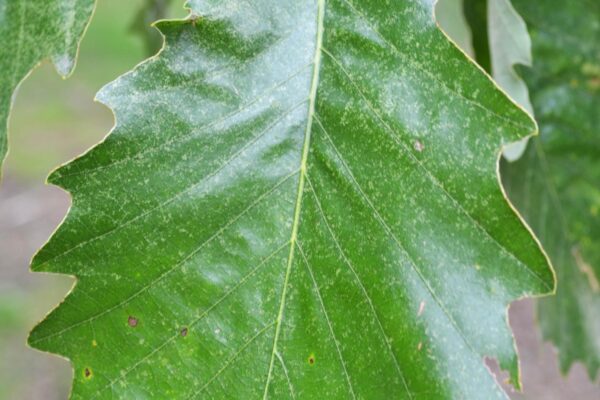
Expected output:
(132, 321)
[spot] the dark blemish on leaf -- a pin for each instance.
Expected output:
(311, 359)
(87, 373)
(418, 146)
(184, 332)
(132, 321)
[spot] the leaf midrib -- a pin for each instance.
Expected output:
(301, 182)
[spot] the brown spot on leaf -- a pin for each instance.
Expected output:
(132, 321)
(311, 359)
(87, 373)
(184, 332)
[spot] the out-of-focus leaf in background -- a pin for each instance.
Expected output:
(31, 31)
(475, 13)
(556, 184)
(149, 12)
(449, 14)
(510, 45)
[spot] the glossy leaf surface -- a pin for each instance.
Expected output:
(31, 31)
(557, 183)
(299, 200)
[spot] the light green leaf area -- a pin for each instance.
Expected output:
(449, 15)
(510, 45)
(557, 183)
(299, 200)
(31, 31)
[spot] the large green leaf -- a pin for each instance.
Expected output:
(299, 200)
(557, 183)
(32, 30)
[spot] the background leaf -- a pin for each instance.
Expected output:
(510, 45)
(475, 12)
(150, 11)
(556, 185)
(299, 200)
(32, 31)
(449, 15)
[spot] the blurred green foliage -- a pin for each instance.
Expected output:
(150, 11)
